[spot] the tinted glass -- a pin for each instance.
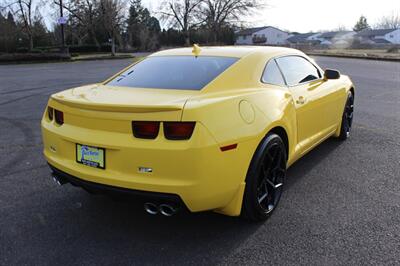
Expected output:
(173, 72)
(297, 69)
(272, 74)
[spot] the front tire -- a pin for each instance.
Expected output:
(265, 178)
(347, 118)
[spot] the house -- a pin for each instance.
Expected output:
(381, 36)
(310, 38)
(337, 38)
(261, 36)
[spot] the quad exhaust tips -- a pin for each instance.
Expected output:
(164, 209)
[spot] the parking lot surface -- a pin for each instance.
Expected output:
(341, 203)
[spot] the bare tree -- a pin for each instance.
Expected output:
(218, 13)
(181, 14)
(391, 21)
(25, 10)
(112, 15)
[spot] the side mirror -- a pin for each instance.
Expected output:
(331, 74)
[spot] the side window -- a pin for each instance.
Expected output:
(272, 74)
(297, 70)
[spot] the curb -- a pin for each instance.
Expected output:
(102, 58)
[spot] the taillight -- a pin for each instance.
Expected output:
(50, 113)
(178, 130)
(145, 129)
(59, 117)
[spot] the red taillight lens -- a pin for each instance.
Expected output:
(178, 130)
(145, 129)
(59, 117)
(50, 112)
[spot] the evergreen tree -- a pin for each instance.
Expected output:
(361, 24)
(142, 29)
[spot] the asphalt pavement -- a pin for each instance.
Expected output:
(341, 203)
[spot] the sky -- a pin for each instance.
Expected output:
(314, 15)
(304, 15)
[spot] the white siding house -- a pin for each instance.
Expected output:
(337, 38)
(305, 38)
(261, 36)
(379, 36)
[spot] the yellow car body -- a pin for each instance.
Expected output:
(233, 113)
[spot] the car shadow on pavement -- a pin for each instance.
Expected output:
(305, 164)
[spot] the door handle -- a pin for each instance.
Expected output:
(301, 100)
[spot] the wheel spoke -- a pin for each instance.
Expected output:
(274, 186)
(263, 197)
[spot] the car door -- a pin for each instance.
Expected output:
(310, 95)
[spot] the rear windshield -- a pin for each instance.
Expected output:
(173, 72)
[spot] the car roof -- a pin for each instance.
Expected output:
(229, 51)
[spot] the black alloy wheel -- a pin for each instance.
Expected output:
(265, 179)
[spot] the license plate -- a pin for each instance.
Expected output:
(90, 156)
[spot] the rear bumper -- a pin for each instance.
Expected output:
(106, 189)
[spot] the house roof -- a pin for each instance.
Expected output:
(372, 33)
(300, 37)
(250, 31)
(382, 41)
(332, 34)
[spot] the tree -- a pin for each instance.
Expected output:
(24, 9)
(8, 33)
(142, 29)
(181, 14)
(41, 36)
(85, 12)
(391, 21)
(361, 24)
(219, 13)
(112, 14)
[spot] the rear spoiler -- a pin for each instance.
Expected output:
(117, 108)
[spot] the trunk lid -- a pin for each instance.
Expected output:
(105, 108)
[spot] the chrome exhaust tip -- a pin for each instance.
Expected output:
(150, 208)
(59, 181)
(167, 210)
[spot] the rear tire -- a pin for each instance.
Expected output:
(265, 178)
(347, 117)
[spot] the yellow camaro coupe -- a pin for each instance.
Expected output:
(202, 128)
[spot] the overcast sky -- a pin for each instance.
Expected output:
(305, 15)
(314, 15)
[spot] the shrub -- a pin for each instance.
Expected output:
(393, 49)
(28, 57)
(22, 50)
(105, 48)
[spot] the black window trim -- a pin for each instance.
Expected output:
(320, 71)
